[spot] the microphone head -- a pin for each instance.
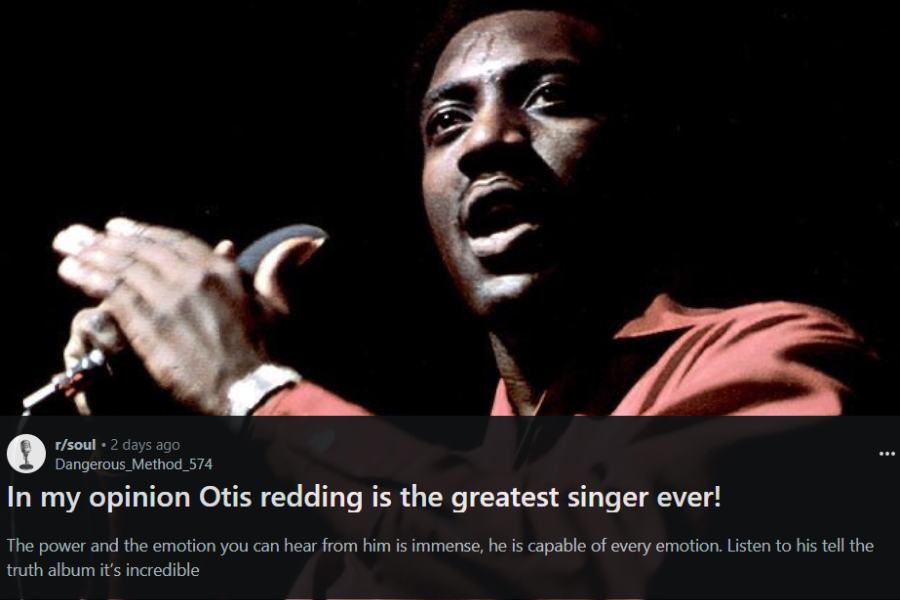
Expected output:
(26, 446)
(249, 260)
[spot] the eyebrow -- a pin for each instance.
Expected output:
(465, 89)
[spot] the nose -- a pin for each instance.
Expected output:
(497, 135)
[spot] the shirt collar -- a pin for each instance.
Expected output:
(663, 316)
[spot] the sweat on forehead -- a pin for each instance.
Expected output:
(480, 40)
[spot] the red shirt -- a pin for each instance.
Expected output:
(774, 358)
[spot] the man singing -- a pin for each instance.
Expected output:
(521, 130)
(524, 184)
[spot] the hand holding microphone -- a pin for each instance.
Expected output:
(183, 308)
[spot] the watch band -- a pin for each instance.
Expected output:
(247, 393)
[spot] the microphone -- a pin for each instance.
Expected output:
(26, 449)
(94, 365)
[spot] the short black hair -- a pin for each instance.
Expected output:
(612, 18)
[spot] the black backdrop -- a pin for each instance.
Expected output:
(774, 162)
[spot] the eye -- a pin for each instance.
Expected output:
(444, 121)
(549, 94)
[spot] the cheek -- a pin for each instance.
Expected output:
(440, 197)
(439, 209)
(569, 148)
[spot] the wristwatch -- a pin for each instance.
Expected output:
(248, 393)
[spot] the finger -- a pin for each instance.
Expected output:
(103, 269)
(100, 273)
(95, 283)
(270, 278)
(116, 254)
(179, 241)
(160, 295)
(82, 404)
(159, 246)
(106, 259)
(93, 329)
(226, 249)
(74, 239)
(101, 258)
(76, 348)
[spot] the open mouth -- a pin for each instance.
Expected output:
(503, 221)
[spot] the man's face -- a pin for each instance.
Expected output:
(511, 130)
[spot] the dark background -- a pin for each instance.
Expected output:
(772, 161)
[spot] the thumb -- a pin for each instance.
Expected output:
(227, 249)
(275, 267)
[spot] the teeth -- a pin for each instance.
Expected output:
(500, 241)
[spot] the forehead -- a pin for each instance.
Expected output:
(499, 41)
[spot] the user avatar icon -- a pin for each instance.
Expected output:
(26, 453)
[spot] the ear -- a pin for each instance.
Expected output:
(274, 267)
